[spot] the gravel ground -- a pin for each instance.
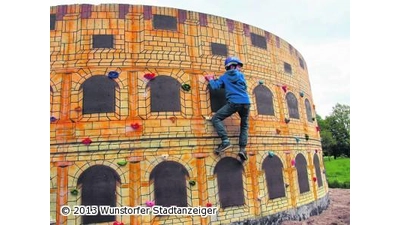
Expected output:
(338, 212)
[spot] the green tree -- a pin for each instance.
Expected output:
(327, 140)
(338, 123)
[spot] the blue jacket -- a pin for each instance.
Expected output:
(235, 86)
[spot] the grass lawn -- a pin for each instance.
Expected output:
(337, 172)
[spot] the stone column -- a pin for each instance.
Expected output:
(202, 182)
(62, 190)
(311, 168)
(292, 182)
(134, 186)
(254, 182)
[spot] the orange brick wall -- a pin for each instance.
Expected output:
(188, 136)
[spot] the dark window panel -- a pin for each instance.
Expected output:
(317, 170)
(99, 95)
(98, 188)
(103, 41)
(264, 100)
(308, 111)
(164, 22)
(258, 41)
(292, 106)
(217, 98)
(301, 63)
(288, 68)
(165, 94)
(272, 167)
(302, 174)
(219, 49)
(170, 184)
(230, 182)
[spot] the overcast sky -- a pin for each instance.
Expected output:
(318, 29)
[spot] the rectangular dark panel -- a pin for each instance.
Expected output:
(230, 189)
(170, 184)
(165, 94)
(219, 49)
(147, 13)
(182, 16)
(217, 98)
(99, 95)
(302, 174)
(123, 10)
(258, 41)
(318, 170)
(52, 21)
(274, 175)
(276, 187)
(103, 41)
(292, 106)
(230, 183)
(86, 11)
(301, 63)
(170, 190)
(264, 100)
(288, 68)
(61, 11)
(203, 19)
(308, 111)
(164, 22)
(231, 25)
(98, 189)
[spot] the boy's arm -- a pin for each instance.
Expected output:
(214, 83)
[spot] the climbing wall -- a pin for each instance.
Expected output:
(130, 118)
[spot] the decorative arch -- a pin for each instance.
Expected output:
(292, 106)
(317, 170)
(302, 174)
(99, 95)
(230, 182)
(98, 184)
(170, 184)
(165, 94)
(308, 110)
(264, 100)
(273, 169)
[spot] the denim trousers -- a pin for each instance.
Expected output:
(226, 111)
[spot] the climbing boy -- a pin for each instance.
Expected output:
(238, 101)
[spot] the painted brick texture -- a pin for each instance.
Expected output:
(144, 138)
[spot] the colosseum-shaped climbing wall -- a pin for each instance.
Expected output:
(130, 118)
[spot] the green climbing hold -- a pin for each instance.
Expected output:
(186, 87)
(122, 163)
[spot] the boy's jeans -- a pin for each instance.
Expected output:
(226, 111)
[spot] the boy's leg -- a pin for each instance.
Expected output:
(224, 112)
(244, 113)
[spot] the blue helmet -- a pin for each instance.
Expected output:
(233, 61)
